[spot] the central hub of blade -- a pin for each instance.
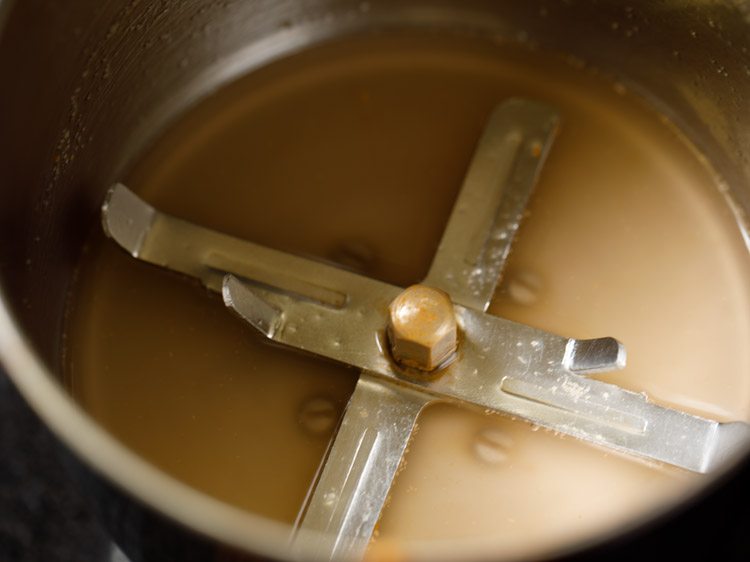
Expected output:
(422, 329)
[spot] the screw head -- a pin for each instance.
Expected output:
(422, 327)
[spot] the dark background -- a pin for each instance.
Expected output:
(43, 518)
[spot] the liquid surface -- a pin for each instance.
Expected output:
(354, 153)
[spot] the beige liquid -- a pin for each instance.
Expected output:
(354, 152)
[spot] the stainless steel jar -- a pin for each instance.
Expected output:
(87, 85)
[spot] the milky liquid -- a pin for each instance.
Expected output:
(354, 153)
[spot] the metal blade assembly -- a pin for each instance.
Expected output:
(426, 343)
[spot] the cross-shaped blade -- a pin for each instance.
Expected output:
(502, 365)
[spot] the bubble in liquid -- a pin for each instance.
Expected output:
(492, 446)
(317, 416)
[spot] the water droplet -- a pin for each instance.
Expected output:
(329, 499)
(497, 254)
(492, 446)
(317, 416)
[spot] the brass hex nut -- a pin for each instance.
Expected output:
(422, 327)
